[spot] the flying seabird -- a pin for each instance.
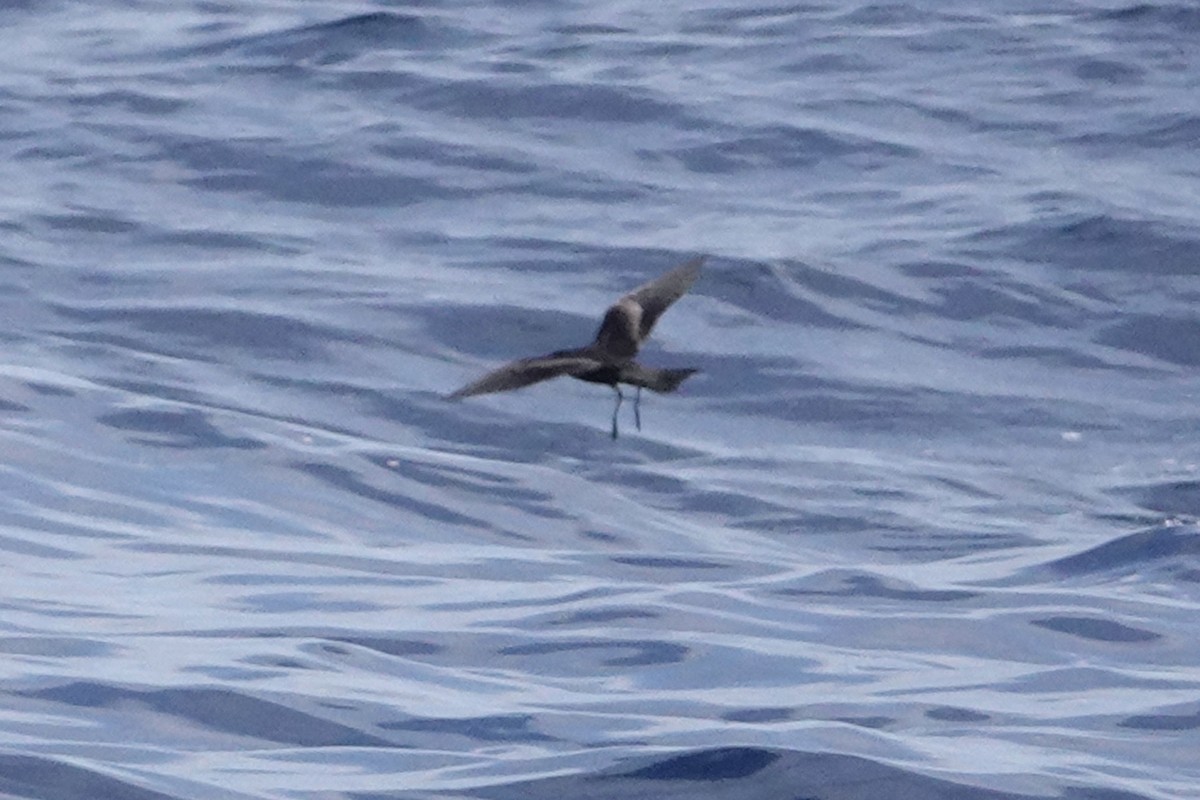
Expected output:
(609, 359)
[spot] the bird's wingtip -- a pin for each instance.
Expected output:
(691, 267)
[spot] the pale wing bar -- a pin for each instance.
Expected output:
(657, 296)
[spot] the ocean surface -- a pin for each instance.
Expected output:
(924, 527)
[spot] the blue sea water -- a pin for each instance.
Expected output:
(924, 527)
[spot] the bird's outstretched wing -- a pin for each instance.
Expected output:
(525, 372)
(657, 296)
(628, 321)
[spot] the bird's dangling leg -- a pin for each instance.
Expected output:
(637, 408)
(620, 397)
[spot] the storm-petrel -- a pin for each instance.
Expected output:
(609, 359)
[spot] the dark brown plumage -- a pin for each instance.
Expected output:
(608, 359)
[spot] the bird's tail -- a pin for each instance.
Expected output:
(656, 380)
